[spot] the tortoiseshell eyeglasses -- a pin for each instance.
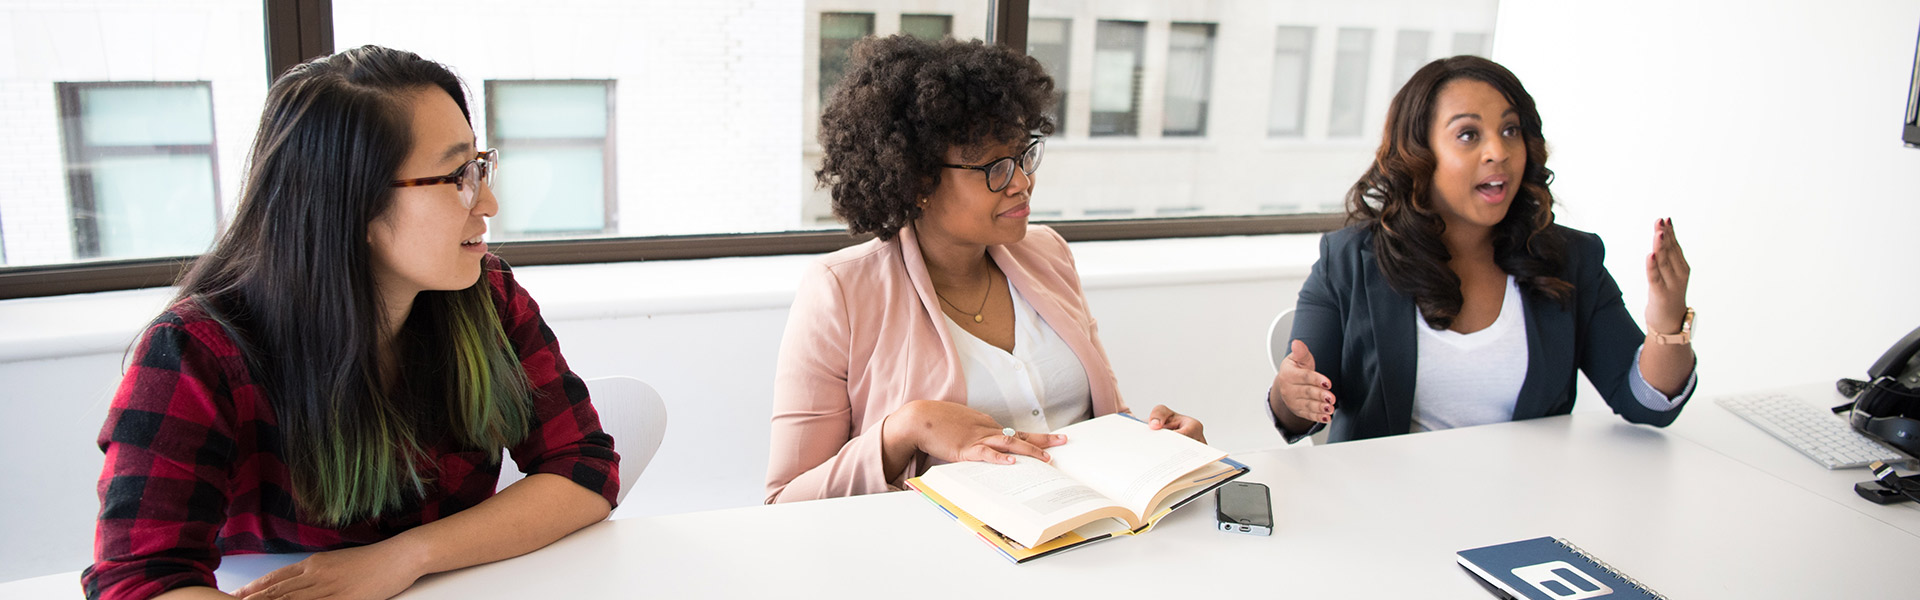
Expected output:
(467, 178)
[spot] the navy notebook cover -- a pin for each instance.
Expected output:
(1549, 569)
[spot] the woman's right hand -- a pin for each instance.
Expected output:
(1305, 393)
(951, 432)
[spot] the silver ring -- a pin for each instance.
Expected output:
(1009, 432)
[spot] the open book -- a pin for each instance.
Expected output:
(1114, 476)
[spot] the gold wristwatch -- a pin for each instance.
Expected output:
(1684, 337)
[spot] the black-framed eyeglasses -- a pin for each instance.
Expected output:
(467, 178)
(1000, 171)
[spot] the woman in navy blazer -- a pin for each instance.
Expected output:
(1452, 223)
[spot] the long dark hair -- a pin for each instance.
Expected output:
(1393, 199)
(292, 280)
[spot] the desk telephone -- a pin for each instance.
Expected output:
(1886, 407)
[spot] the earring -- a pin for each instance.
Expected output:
(923, 201)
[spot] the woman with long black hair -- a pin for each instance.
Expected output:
(340, 373)
(1452, 299)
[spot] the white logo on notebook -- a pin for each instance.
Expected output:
(1562, 581)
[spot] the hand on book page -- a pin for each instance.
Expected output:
(1162, 417)
(952, 432)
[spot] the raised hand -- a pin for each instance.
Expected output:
(1667, 273)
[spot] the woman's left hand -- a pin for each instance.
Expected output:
(1667, 273)
(371, 572)
(1164, 418)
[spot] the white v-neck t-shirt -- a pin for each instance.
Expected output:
(1039, 387)
(1474, 378)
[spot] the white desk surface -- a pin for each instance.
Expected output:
(1372, 519)
(1715, 427)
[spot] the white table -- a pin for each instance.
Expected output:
(1372, 519)
(1715, 427)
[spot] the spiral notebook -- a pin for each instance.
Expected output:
(1548, 568)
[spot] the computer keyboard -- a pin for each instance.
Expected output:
(1814, 431)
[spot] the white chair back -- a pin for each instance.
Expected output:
(1279, 343)
(1279, 336)
(630, 411)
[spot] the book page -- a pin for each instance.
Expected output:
(1021, 500)
(1121, 458)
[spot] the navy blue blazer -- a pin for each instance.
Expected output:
(1361, 333)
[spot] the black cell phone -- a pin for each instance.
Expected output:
(1242, 507)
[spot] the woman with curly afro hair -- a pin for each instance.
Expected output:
(959, 333)
(1454, 300)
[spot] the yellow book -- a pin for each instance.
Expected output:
(1113, 477)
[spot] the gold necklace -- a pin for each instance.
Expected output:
(978, 313)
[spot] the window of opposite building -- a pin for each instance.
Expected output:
(927, 27)
(1470, 43)
(1189, 78)
(1292, 63)
(141, 177)
(1353, 50)
(1050, 42)
(1409, 54)
(838, 32)
(1119, 53)
(557, 162)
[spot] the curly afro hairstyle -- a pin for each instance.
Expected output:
(902, 103)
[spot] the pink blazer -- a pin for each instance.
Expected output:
(866, 336)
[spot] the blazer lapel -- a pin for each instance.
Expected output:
(1549, 329)
(955, 380)
(1394, 342)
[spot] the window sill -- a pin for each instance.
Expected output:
(107, 322)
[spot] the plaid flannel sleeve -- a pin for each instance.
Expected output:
(168, 455)
(566, 438)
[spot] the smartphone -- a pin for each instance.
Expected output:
(1244, 508)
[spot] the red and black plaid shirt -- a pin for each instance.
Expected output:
(193, 469)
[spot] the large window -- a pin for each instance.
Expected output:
(632, 121)
(1119, 53)
(140, 168)
(1189, 78)
(556, 157)
(126, 124)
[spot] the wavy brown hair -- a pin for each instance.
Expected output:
(1393, 200)
(902, 103)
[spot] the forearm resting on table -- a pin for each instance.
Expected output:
(1666, 366)
(528, 515)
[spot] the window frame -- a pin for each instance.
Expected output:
(297, 30)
